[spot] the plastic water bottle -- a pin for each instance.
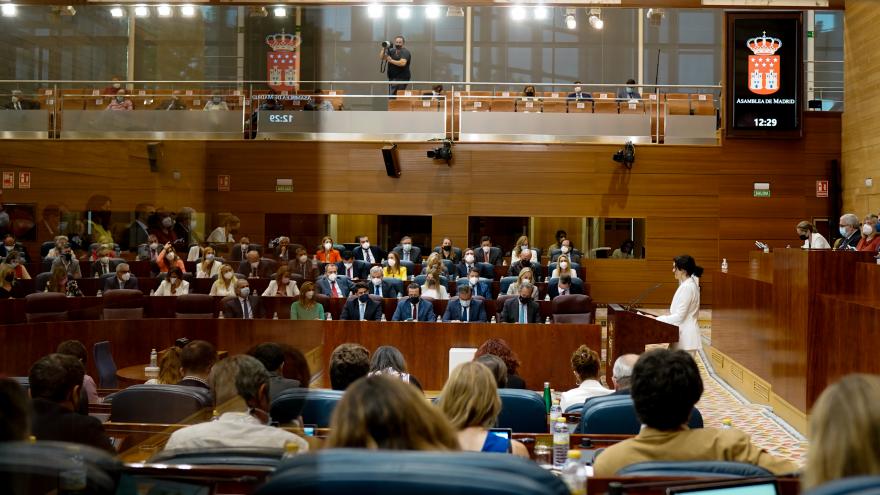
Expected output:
(96, 275)
(154, 359)
(493, 319)
(152, 292)
(220, 315)
(329, 317)
(383, 318)
(724, 265)
(99, 293)
(439, 319)
(574, 474)
(555, 412)
(275, 316)
(547, 321)
(547, 297)
(560, 443)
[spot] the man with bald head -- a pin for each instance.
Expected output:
(255, 267)
(621, 376)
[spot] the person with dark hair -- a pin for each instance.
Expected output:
(173, 285)
(585, 366)
(365, 252)
(629, 92)
(465, 308)
(625, 251)
(413, 307)
(76, 349)
(388, 360)
(296, 367)
(361, 307)
(272, 357)
(665, 387)
(352, 268)
(348, 362)
(14, 407)
(398, 60)
(487, 253)
(55, 382)
(496, 366)
(685, 309)
(500, 348)
(196, 360)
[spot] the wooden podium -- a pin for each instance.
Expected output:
(629, 333)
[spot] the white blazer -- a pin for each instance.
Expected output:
(272, 289)
(214, 270)
(684, 313)
(165, 289)
(218, 289)
(441, 292)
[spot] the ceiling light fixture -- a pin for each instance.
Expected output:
(571, 18)
(518, 13)
(432, 12)
(187, 10)
(403, 12)
(141, 11)
(374, 11)
(164, 10)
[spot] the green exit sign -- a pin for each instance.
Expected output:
(759, 193)
(761, 190)
(809, 34)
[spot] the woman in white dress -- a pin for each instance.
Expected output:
(225, 283)
(208, 267)
(812, 239)
(685, 309)
(173, 285)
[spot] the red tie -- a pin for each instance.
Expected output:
(333, 289)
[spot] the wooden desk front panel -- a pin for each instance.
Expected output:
(742, 319)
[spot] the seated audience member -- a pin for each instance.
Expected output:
(307, 307)
(222, 383)
(296, 367)
(348, 362)
(15, 261)
(434, 264)
(163, 228)
(379, 286)
(302, 265)
(137, 232)
(361, 307)
(487, 253)
(255, 267)
(381, 412)
(563, 287)
(114, 87)
(331, 284)
(870, 241)
(500, 348)
(55, 381)
(168, 259)
(60, 282)
(239, 251)
(388, 360)
(244, 305)
(843, 432)
(522, 309)
(850, 233)
(521, 245)
(525, 277)
(173, 285)
(8, 286)
(630, 92)
(9, 245)
(352, 268)
(621, 376)
(563, 267)
(282, 250)
(468, 263)
(478, 286)
(413, 307)
(529, 92)
(566, 248)
(470, 400)
(394, 268)
(216, 103)
(625, 251)
(326, 253)
(585, 366)
(120, 103)
(433, 289)
(365, 252)
(247, 427)
(208, 267)
(58, 248)
(196, 360)
(560, 235)
(579, 95)
(76, 349)
(123, 279)
(812, 239)
(496, 366)
(226, 232)
(665, 386)
(17, 102)
(149, 251)
(225, 283)
(14, 412)
(282, 285)
(170, 365)
(524, 261)
(447, 251)
(172, 103)
(272, 357)
(407, 252)
(465, 308)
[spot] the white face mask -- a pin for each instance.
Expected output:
(577, 89)
(465, 303)
(228, 275)
(867, 229)
(563, 265)
(169, 256)
(526, 280)
(473, 280)
(392, 262)
(303, 259)
(377, 281)
(486, 248)
(117, 85)
(255, 264)
(564, 249)
(209, 257)
(407, 247)
(193, 224)
(331, 277)
(172, 280)
(126, 276)
(154, 246)
(167, 222)
(469, 258)
(524, 247)
(365, 245)
(328, 246)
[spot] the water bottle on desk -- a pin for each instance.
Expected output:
(275, 316)
(154, 358)
(329, 317)
(547, 321)
(560, 443)
(548, 401)
(574, 473)
(724, 265)
(555, 412)
(383, 318)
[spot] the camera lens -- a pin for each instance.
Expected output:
(386, 44)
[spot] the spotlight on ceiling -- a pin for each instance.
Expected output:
(403, 12)
(571, 18)
(279, 12)
(141, 11)
(164, 10)
(9, 10)
(374, 11)
(655, 16)
(596, 19)
(541, 13)
(432, 12)
(117, 12)
(518, 13)
(187, 10)
(453, 11)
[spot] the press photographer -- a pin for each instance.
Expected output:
(398, 59)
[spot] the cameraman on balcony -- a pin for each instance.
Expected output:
(399, 59)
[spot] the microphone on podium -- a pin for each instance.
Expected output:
(641, 297)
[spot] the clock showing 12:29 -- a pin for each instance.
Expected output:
(765, 122)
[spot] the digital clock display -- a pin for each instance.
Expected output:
(764, 75)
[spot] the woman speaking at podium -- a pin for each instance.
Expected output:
(685, 309)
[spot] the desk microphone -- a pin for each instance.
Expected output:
(641, 297)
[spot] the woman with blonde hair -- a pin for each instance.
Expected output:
(226, 232)
(434, 263)
(208, 267)
(225, 283)
(470, 401)
(432, 288)
(844, 432)
(169, 367)
(521, 245)
(393, 268)
(282, 285)
(383, 413)
(525, 275)
(8, 287)
(563, 267)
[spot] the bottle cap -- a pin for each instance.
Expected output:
(291, 447)
(560, 419)
(546, 384)
(574, 454)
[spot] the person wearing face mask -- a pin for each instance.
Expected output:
(447, 251)
(255, 267)
(103, 265)
(393, 268)
(479, 285)
(468, 263)
(529, 92)
(487, 253)
(331, 284)
(629, 92)
(560, 236)
(850, 233)
(123, 279)
(870, 241)
(8, 286)
(168, 259)
(407, 252)
(186, 227)
(352, 267)
(149, 251)
(173, 285)
(525, 277)
(68, 263)
(173, 103)
(379, 286)
(302, 265)
(307, 307)
(360, 306)
(366, 252)
(432, 288)
(120, 103)
(465, 308)
(685, 309)
(812, 239)
(413, 307)
(326, 253)
(115, 85)
(60, 242)
(244, 305)
(209, 266)
(282, 250)
(9, 245)
(17, 102)
(163, 229)
(216, 103)
(522, 309)
(522, 244)
(282, 285)
(225, 283)
(579, 95)
(625, 251)
(398, 59)
(239, 251)
(563, 267)
(564, 286)
(225, 233)
(525, 260)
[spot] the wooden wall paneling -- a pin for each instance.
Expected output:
(453, 226)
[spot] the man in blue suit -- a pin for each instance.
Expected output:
(478, 287)
(414, 307)
(379, 286)
(332, 284)
(465, 308)
(367, 253)
(361, 307)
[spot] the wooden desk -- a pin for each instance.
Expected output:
(629, 333)
(132, 375)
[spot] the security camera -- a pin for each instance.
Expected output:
(627, 155)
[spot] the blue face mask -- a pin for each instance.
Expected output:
(843, 231)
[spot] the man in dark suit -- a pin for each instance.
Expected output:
(184, 228)
(9, 245)
(17, 102)
(448, 251)
(379, 286)
(302, 265)
(465, 308)
(244, 305)
(196, 360)
(367, 253)
(414, 307)
(138, 232)
(487, 253)
(521, 309)
(254, 267)
(563, 286)
(524, 261)
(850, 232)
(353, 268)
(469, 261)
(360, 306)
(332, 284)
(407, 251)
(272, 357)
(238, 252)
(479, 286)
(123, 279)
(55, 382)
(579, 94)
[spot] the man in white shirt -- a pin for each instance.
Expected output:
(242, 428)
(332, 284)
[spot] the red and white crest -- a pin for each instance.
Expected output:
(282, 63)
(764, 65)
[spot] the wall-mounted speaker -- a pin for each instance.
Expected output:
(153, 151)
(392, 164)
